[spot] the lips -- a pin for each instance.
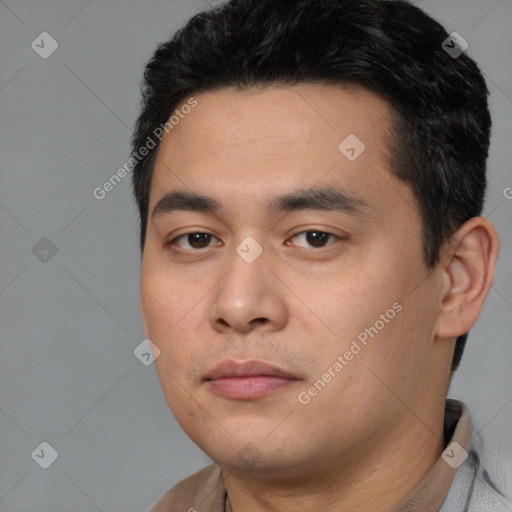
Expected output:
(231, 368)
(248, 379)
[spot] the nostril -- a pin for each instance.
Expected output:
(261, 320)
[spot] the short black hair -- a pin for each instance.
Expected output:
(441, 124)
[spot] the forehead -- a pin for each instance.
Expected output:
(276, 119)
(262, 142)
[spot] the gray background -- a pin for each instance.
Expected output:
(70, 324)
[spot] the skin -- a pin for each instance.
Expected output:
(376, 428)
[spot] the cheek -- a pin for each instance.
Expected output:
(156, 304)
(164, 312)
(172, 311)
(164, 299)
(371, 304)
(344, 302)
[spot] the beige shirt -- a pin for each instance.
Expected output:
(205, 490)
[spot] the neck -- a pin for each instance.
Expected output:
(384, 472)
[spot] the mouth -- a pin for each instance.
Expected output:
(248, 380)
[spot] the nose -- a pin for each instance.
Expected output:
(248, 297)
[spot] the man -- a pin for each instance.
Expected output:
(313, 256)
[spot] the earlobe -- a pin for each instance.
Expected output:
(468, 272)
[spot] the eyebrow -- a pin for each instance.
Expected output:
(325, 199)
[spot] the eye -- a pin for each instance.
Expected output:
(200, 240)
(196, 240)
(315, 238)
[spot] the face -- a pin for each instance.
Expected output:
(291, 306)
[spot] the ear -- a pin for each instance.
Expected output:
(468, 262)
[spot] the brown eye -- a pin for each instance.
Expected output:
(198, 240)
(195, 240)
(315, 238)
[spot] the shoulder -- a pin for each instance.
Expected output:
(477, 486)
(204, 489)
(486, 495)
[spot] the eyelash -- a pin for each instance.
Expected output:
(170, 243)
